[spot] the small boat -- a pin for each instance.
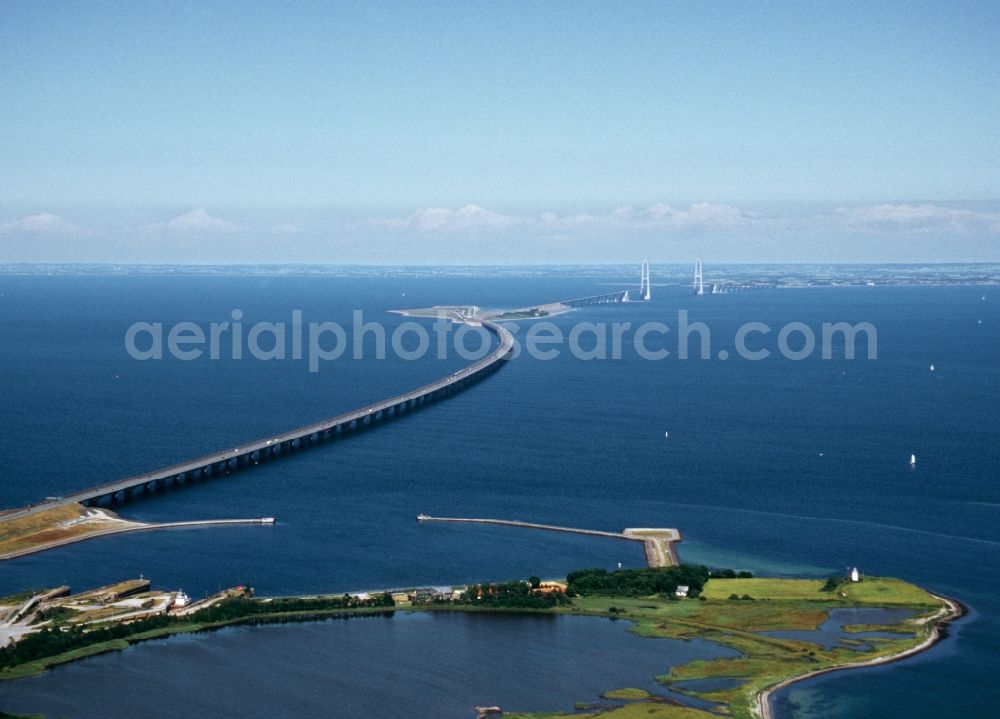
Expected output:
(932, 367)
(913, 460)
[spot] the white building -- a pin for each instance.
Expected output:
(682, 590)
(855, 575)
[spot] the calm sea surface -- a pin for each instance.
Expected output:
(782, 467)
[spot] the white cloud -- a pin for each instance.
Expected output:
(286, 228)
(918, 218)
(664, 218)
(470, 217)
(44, 223)
(195, 221)
(657, 216)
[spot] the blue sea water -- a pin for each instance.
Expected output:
(417, 665)
(777, 466)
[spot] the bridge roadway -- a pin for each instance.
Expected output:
(280, 444)
(605, 299)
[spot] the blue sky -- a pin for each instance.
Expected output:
(412, 132)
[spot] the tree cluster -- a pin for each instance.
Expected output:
(729, 574)
(51, 641)
(637, 582)
(241, 607)
(513, 595)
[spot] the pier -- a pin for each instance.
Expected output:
(251, 453)
(659, 544)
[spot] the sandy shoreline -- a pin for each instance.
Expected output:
(122, 526)
(939, 620)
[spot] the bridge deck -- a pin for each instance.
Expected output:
(607, 298)
(365, 415)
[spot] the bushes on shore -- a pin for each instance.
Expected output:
(729, 574)
(53, 641)
(831, 585)
(241, 607)
(511, 595)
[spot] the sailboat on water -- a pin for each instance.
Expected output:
(913, 460)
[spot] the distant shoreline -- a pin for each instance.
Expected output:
(732, 275)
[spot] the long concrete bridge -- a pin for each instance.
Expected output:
(279, 445)
(605, 299)
(659, 544)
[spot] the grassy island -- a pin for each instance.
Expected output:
(684, 602)
(55, 526)
(735, 612)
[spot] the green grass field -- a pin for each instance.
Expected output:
(630, 693)
(881, 591)
(767, 588)
(885, 591)
(638, 710)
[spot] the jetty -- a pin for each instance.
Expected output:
(659, 544)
